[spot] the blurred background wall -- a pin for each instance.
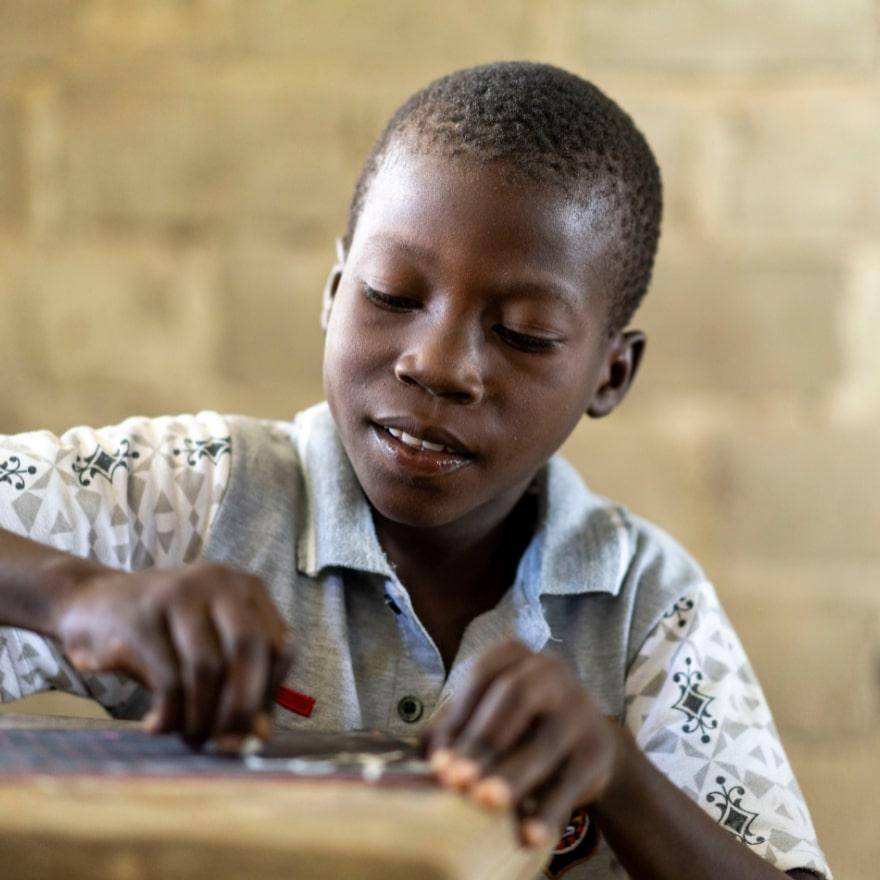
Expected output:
(173, 173)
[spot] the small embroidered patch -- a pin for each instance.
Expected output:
(577, 844)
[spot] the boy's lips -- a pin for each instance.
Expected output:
(410, 431)
(417, 461)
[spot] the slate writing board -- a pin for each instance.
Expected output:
(373, 757)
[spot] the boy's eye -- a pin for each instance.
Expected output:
(525, 341)
(522, 341)
(387, 301)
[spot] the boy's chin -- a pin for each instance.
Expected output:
(422, 514)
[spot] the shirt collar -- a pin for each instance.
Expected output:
(582, 540)
(581, 544)
(338, 528)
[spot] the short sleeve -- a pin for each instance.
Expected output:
(135, 495)
(697, 711)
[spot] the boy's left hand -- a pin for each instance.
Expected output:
(524, 733)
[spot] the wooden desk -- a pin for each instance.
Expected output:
(102, 828)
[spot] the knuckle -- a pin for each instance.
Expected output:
(547, 666)
(240, 718)
(254, 583)
(488, 660)
(278, 624)
(244, 588)
(287, 646)
(168, 684)
(206, 667)
(205, 576)
(509, 702)
(522, 677)
(286, 656)
(147, 632)
(512, 645)
(247, 644)
(507, 694)
(210, 569)
(182, 585)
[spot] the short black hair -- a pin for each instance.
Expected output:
(545, 125)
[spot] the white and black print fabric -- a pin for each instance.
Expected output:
(138, 494)
(698, 712)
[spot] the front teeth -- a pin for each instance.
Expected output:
(415, 442)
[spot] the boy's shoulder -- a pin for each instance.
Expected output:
(603, 544)
(596, 547)
(264, 447)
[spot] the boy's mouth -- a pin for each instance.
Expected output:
(424, 438)
(417, 453)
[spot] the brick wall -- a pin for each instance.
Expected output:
(172, 175)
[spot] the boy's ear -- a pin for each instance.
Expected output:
(332, 284)
(621, 365)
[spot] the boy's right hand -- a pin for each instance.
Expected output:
(205, 639)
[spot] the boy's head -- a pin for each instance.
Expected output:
(500, 235)
(545, 126)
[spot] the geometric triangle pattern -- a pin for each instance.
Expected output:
(708, 728)
(139, 494)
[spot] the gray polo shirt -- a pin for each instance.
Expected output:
(614, 596)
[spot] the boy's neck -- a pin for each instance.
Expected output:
(453, 574)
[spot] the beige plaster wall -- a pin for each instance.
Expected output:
(172, 175)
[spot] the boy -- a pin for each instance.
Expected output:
(439, 570)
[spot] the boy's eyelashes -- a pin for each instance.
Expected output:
(523, 341)
(395, 303)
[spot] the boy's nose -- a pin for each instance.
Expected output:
(444, 364)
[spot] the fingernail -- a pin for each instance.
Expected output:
(150, 721)
(535, 832)
(262, 726)
(440, 760)
(462, 772)
(493, 792)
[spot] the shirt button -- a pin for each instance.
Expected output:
(410, 709)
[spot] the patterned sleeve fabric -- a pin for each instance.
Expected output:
(139, 494)
(699, 714)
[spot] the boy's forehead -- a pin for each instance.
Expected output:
(428, 208)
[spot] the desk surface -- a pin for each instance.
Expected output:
(197, 828)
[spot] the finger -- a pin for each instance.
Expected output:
(532, 764)
(509, 707)
(487, 668)
(280, 663)
(276, 628)
(555, 802)
(281, 644)
(198, 649)
(156, 661)
(247, 657)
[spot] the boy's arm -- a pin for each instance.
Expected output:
(94, 526)
(205, 639)
(706, 733)
(698, 714)
(658, 832)
(525, 735)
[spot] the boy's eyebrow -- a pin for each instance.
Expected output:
(546, 288)
(420, 253)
